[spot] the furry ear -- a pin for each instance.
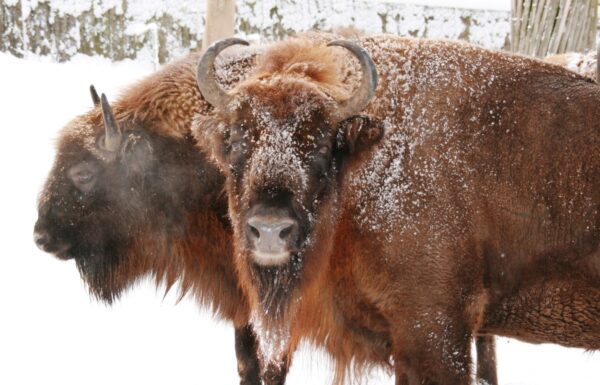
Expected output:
(137, 152)
(211, 137)
(358, 133)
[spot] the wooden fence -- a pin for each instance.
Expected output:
(158, 31)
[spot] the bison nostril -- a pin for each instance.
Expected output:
(285, 232)
(40, 238)
(254, 231)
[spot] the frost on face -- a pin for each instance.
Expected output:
(277, 157)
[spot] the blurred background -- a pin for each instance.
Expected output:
(51, 331)
(158, 31)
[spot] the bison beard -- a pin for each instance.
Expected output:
(275, 285)
(99, 268)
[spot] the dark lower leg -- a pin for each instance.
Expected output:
(486, 360)
(247, 357)
(275, 373)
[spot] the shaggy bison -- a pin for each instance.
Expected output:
(130, 196)
(460, 196)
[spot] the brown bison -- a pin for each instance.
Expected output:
(130, 196)
(460, 196)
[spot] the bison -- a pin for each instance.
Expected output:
(460, 196)
(130, 196)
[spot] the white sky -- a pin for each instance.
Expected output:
(501, 5)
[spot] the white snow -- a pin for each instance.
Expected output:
(50, 330)
(497, 5)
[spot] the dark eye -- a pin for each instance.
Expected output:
(236, 147)
(324, 150)
(83, 176)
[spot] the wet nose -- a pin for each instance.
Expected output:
(41, 239)
(272, 234)
(46, 242)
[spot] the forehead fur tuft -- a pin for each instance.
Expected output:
(302, 58)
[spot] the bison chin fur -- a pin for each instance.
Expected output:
(274, 284)
(99, 270)
(275, 291)
(124, 254)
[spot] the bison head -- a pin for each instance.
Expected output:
(281, 138)
(116, 189)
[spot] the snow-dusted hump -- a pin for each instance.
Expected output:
(432, 94)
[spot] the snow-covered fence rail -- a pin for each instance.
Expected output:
(159, 30)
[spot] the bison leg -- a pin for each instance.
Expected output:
(486, 360)
(275, 373)
(435, 352)
(246, 349)
(247, 356)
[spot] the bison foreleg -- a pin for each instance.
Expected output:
(486, 360)
(434, 350)
(249, 364)
(247, 355)
(275, 373)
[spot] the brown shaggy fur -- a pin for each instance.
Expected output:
(477, 212)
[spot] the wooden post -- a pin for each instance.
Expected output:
(220, 21)
(545, 27)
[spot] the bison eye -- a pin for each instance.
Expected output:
(324, 150)
(83, 176)
(236, 152)
(236, 147)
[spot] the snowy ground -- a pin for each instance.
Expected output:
(52, 333)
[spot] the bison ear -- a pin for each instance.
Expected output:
(137, 152)
(358, 133)
(211, 137)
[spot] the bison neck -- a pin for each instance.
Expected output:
(200, 259)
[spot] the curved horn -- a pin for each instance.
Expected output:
(205, 75)
(95, 97)
(368, 83)
(112, 135)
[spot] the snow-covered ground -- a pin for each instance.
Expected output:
(52, 333)
(496, 5)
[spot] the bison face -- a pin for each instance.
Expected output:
(84, 194)
(114, 196)
(282, 141)
(283, 169)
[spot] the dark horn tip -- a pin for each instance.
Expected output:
(224, 43)
(94, 93)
